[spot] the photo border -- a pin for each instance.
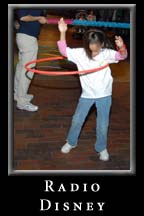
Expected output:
(132, 170)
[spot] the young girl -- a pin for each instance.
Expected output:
(96, 87)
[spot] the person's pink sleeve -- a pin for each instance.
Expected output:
(62, 47)
(118, 56)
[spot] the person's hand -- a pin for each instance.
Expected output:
(16, 25)
(42, 20)
(119, 42)
(62, 26)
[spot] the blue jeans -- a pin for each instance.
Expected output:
(103, 106)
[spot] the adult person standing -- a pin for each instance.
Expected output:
(30, 21)
(91, 16)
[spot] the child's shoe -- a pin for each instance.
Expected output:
(66, 148)
(104, 155)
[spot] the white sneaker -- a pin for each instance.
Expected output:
(104, 155)
(28, 107)
(28, 96)
(66, 148)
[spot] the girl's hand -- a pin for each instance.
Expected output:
(119, 41)
(62, 26)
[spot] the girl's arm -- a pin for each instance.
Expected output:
(62, 26)
(121, 53)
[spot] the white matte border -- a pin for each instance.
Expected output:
(132, 8)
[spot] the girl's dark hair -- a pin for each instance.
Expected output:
(95, 36)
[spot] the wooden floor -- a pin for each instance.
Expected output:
(38, 136)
